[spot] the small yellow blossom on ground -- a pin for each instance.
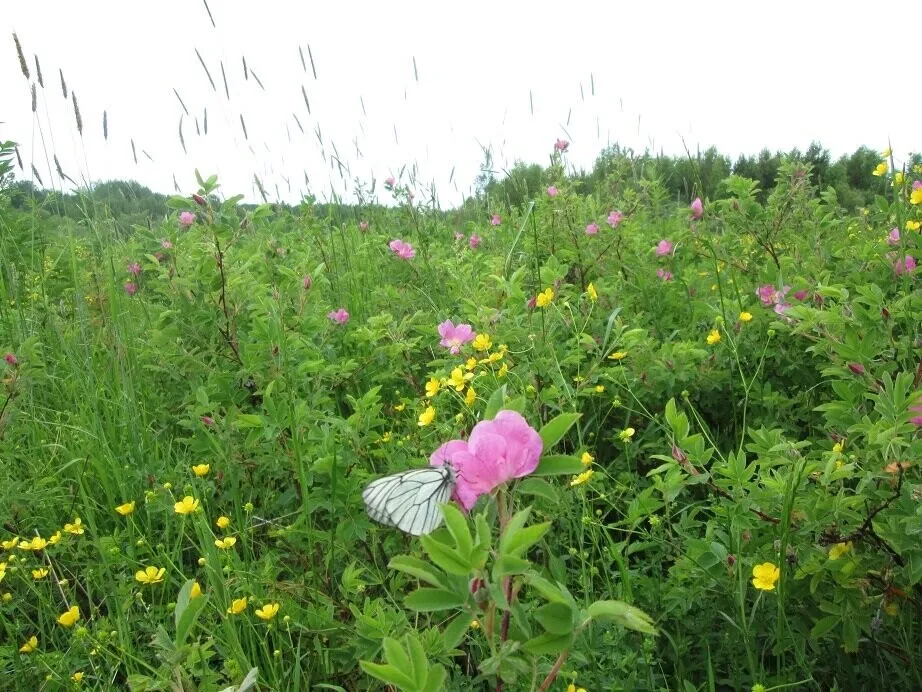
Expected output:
(222, 522)
(433, 386)
(426, 417)
(268, 611)
(470, 397)
(201, 470)
(10, 544)
(543, 299)
(225, 543)
(503, 371)
(195, 591)
(470, 364)
(125, 509)
(573, 688)
(187, 505)
(618, 355)
(400, 406)
(892, 609)
(69, 618)
(475, 625)
(482, 342)
(713, 337)
(592, 293)
(745, 316)
(839, 549)
(150, 575)
(386, 437)
(54, 538)
(7, 597)
(587, 458)
(40, 573)
(36, 544)
(76, 528)
(626, 434)
(913, 225)
(838, 446)
(582, 478)
(885, 154)
(765, 576)
(599, 388)
(30, 645)
(459, 378)
(237, 606)
(898, 178)
(77, 677)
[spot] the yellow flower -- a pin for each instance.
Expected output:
(433, 386)
(125, 509)
(470, 397)
(839, 549)
(150, 575)
(587, 458)
(494, 357)
(76, 528)
(618, 355)
(268, 611)
(30, 645)
(225, 543)
(195, 591)
(426, 417)
(592, 293)
(77, 677)
(543, 299)
(222, 522)
(898, 179)
(745, 316)
(913, 225)
(582, 478)
(713, 337)
(915, 197)
(400, 406)
(503, 370)
(201, 470)
(69, 618)
(838, 446)
(626, 434)
(886, 153)
(187, 505)
(765, 575)
(40, 573)
(10, 544)
(482, 342)
(475, 625)
(238, 606)
(881, 169)
(599, 388)
(386, 437)
(470, 364)
(37, 543)
(459, 378)
(573, 688)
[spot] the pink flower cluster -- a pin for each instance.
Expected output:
(614, 218)
(592, 229)
(402, 249)
(663, 248)
(497, 451)
(697, 209)
(905, 265)
(455, 336)
(186, 219)
(339, 316)
(495, 220)
(561, 145)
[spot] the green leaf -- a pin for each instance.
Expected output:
(623, 614)
(548, 644)
(457, 527)
(509, 564)
(556, 618)
(454, 631)
(559, 465)
(426, 599)
(519, 538)
(538, 488)
(435, 681)
(548, 591)
(445, 557)
(387, 674)
(420, 664)
(395, 655)
(186, 612)
(495, 403)
(416, 568)
(823, 625)
(555, 429)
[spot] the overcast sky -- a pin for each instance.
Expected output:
(738, 75)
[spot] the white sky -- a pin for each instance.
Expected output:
(738, 75)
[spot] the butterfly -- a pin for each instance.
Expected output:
(410, 500)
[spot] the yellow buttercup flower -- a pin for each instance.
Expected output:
(150, 575)
(69, 618)
(503, 370)
(592, 293)
(237, 606)
(618, 355)
(545, 298)
(713, 337)
(915, 197)
(187, 505)
(587, 458)
(222, 522)
(77, 677)
(470, 397)
(459, 378)
(881, 169)
(626, 434)
(482, 342)
(839, 549)
(433, 386)
(126, 508)
(475, 625)
(582, 478)
(599, 388)
(30, 645)
(386, 437)
(765, 576)
(201, 470)
(470, 364)
(37, 543)
(913, 225)
(40, 573)
(898, 178)
(400, 406)
(268, 611)
(226, 542)
(76, 528)
(426, 417)
(745, 316)
(10, 544)
(195, 591)
(886, 153)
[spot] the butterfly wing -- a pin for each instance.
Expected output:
(410, 501)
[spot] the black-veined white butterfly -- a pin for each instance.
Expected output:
(411, 500)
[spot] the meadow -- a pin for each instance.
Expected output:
(725, 393)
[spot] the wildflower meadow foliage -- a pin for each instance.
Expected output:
(684, 440)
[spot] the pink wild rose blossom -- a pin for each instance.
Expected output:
(186, 219)
(11, 359)
(614, 218)
(497, 451)
(663, 248)
(697, 209)
(339, 316)
(455, 336)
(402, 249)
(592, 229)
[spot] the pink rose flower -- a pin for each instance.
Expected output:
(131, 288)
(363, 225)
(894, 237)
(454, 337)
(133, 268)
